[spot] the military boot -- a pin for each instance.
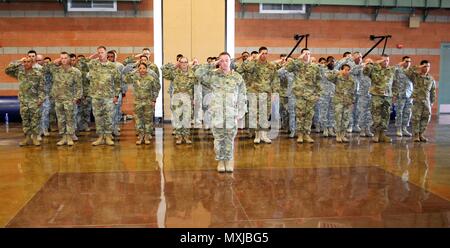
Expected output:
(100, 140)
(63, 141)
(343, 138)
(26, 141)
(300, 138)
(147, 139)
(109, 140)
(179, 139)
(384, 138)
(308, 138)
(35, 139)
(416, 137)
(187, 139)
(338, 137)
(325, 132)
(257, 139)
(140, 138)
(69, 140)
(221, 166)
(399, 132)
(369, 133)
(229, 165)
(422, 138)
(376, 137)
(405, 132)
(331, 132)
(264, 137)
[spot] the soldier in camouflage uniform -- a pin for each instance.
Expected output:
(423, 95)
(343, 99)
(85, 105)
(31, 96)
(104, 90)
(327, 115)
(402, 89)
(112, 57)
(363, 103)
(67, 91)
(382, 76)
(228, 105)
(263, 83)
(307, 89)
(287, 100)
(49, 104)
(146, 89)
(183, 78)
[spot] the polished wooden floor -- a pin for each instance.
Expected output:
(284, 184)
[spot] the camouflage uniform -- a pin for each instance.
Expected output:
(402, 89)
(354, 118)
(146, 90)
(326, 109)
(104, 86)
(423, 95)
(262, 82)
(31, 95)
(307, 89)
(83, 116)
(381, 91)
(343, 99)
(287, 100)
(181, 101)
(67, 88)
(48, 107)
(364, 98)
(118, 105)
(228, 104)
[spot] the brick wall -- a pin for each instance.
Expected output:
(43, 27)
(334, 30)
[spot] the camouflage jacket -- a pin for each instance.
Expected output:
(104, 79)
(286, 79)
(260, 77)
(183, 82)
(402, 86)
(82, 66)
(67, 85)
(229, 96)
(345, 87)
(307, 78)
(145, 87)
(381, 79)
(424, 85)
(31, 83)
(328, 87)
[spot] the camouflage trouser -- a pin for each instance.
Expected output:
(75, 114)
(48, 113)
(342, 114)
(206, 101)
(304, 114)
(259, 109)
(143, 116)
(84, 113)
(103, 113)
(364, 117)
(197, 108)
(224, 142)
(65, 114)
(287, 113)
(30, 113)
(380, 110)
(403, 112)
(316, 116)
(326, 111)
(117, 113)
(421, 114)
(354, 117)
(181, 113)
